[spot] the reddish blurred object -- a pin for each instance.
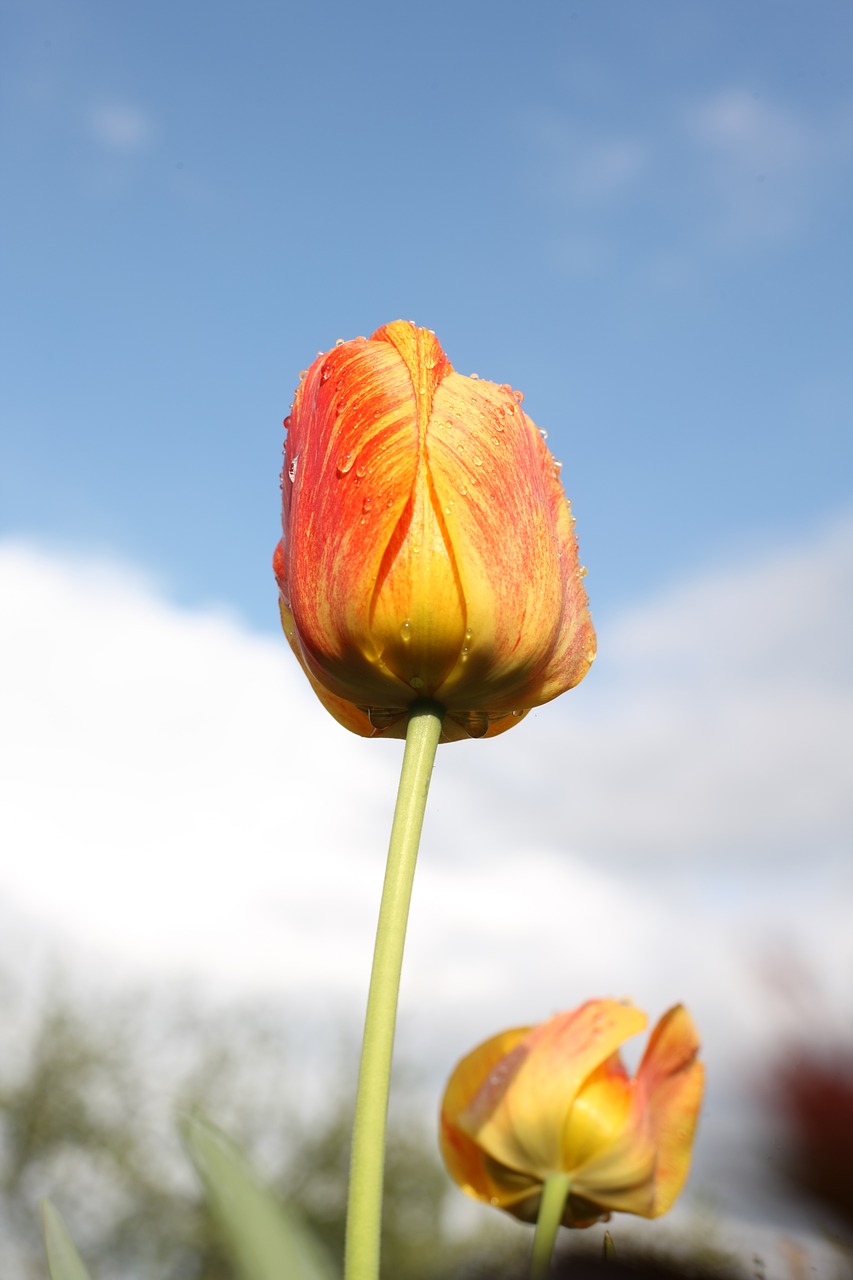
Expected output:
(812, 1093)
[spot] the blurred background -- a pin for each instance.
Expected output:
(639, 216)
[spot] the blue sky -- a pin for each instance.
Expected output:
(637, 214)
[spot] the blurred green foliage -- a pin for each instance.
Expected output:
(91, 1090)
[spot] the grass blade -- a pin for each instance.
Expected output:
(63, 1260)
(266, 1240)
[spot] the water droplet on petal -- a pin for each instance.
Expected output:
(475, 723)
(345, 462)
(361, 471)
(475, 376)
(286, 423)
(339, 342)
(366, 505)
(518, 397)
(416, 682)
(543, 433)
(477, 460)
(406, 632)
(291, 470)
(582, 571)
(325, 373)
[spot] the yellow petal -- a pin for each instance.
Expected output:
(465, 1159)
(669, 1087)
(598, 1115)
(520, 1114)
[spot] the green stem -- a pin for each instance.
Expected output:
(364, 1209)
(555, 1192)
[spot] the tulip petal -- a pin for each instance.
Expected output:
(621, 1177)
(598, 1114)
(668, 1089)
(465, 1160)
(365, 553)
(520, 1113)
(529, 635)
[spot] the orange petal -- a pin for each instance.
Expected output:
(370, 580)
(669, 1088)
(521, 1112)
(529, 635)
(464, 1158)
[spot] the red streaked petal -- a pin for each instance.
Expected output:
(529, 633)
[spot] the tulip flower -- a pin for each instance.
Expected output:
(556, 1100)
(428, 549)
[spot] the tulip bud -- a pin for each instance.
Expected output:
(556, 1099)
(428, 549)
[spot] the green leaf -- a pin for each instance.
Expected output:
(266, 1240)
(63, 1260)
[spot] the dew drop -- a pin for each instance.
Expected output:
(477, 460)
(543, 433)
(345, 462)
(302, 373)
(475, 376)
(291, 470)
(475, 723)
(518, 397)
(462, 491)
(416, 682)
(361, 471)
(366, 505)
(468, 634)
(325, 373)
(286, 423)
(406, 632)
(557, 465)
(582, 571)
(517, 713)
(339, 342)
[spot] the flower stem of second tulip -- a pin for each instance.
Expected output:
(367, 1162)
(555, 1192)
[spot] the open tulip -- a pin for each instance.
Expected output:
(556, 1099)
(428, 549)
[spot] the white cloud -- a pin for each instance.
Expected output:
(120, 127)
(725, 172)
(178, 802)
(716, 726)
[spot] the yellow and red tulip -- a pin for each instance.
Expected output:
(556, 1099)
(428, 549)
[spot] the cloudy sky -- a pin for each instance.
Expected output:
(638, 215)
